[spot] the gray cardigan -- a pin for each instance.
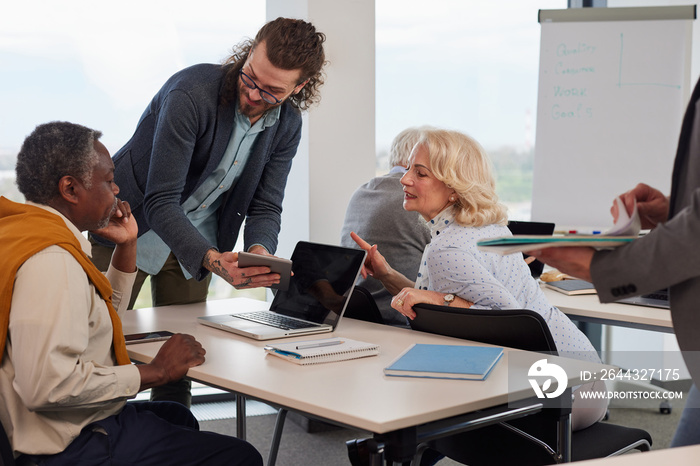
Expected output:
(669, 256)
(180, 139)
(375, 212)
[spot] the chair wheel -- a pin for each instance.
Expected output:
(665, 408)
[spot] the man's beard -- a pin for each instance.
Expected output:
(252, 111)
(105, 222)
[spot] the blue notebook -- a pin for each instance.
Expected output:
(445, 362)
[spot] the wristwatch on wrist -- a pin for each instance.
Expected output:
(449, 298)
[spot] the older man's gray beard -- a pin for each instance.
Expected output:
(105, 222)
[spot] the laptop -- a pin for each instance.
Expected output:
(318, 293)
(656, 299)
(531, 228)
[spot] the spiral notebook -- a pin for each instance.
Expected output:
(319, 351)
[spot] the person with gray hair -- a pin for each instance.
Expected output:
(374, 212)
(43, 160)
(65, 374)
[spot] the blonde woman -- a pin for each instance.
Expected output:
(451, 184)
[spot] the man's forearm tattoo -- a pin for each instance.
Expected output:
(215, 266)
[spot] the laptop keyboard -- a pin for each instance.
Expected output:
(661, 295)
(274, 320)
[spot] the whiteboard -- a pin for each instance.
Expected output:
(611, 98)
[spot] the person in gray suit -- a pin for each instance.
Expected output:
(667, 257)
(376, 213)
(214, 148)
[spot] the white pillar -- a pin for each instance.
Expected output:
(337, 151)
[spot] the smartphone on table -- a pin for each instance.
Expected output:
(147, 337)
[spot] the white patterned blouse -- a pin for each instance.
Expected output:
(452, 263)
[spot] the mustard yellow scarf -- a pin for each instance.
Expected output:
(24, 231)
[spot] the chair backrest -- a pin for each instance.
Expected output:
(514, 328)
(526, 330)
(363, 307)
(531, 228)
(6, 456)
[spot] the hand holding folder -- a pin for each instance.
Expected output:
(625, 229)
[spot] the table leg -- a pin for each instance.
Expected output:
(240, 417)
(276, 437)
(562, 407)
(564, 438)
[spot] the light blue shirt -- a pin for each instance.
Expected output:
(201, 206)
(452, 263)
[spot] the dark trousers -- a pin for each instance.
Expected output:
(688, 430)
(152, 433)
(169, 286)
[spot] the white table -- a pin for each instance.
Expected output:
(587, 308)
(399, 411)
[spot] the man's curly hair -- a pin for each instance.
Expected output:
(292, 44)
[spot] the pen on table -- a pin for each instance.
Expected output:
(581, 232)
(319, 345)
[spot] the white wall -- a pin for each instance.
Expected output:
(337, 152)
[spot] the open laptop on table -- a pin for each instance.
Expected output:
(318, 293)
(531, 228)
(657, 299)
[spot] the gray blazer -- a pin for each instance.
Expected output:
(178, 142)
(669, 256)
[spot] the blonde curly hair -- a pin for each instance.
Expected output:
(461, 163)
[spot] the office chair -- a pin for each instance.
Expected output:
(516, 442)
(361, 306)
(521, 329)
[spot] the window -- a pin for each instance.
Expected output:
(99, 64)
(465, 65)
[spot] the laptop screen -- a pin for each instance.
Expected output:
(532, 228)
(324, 276)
